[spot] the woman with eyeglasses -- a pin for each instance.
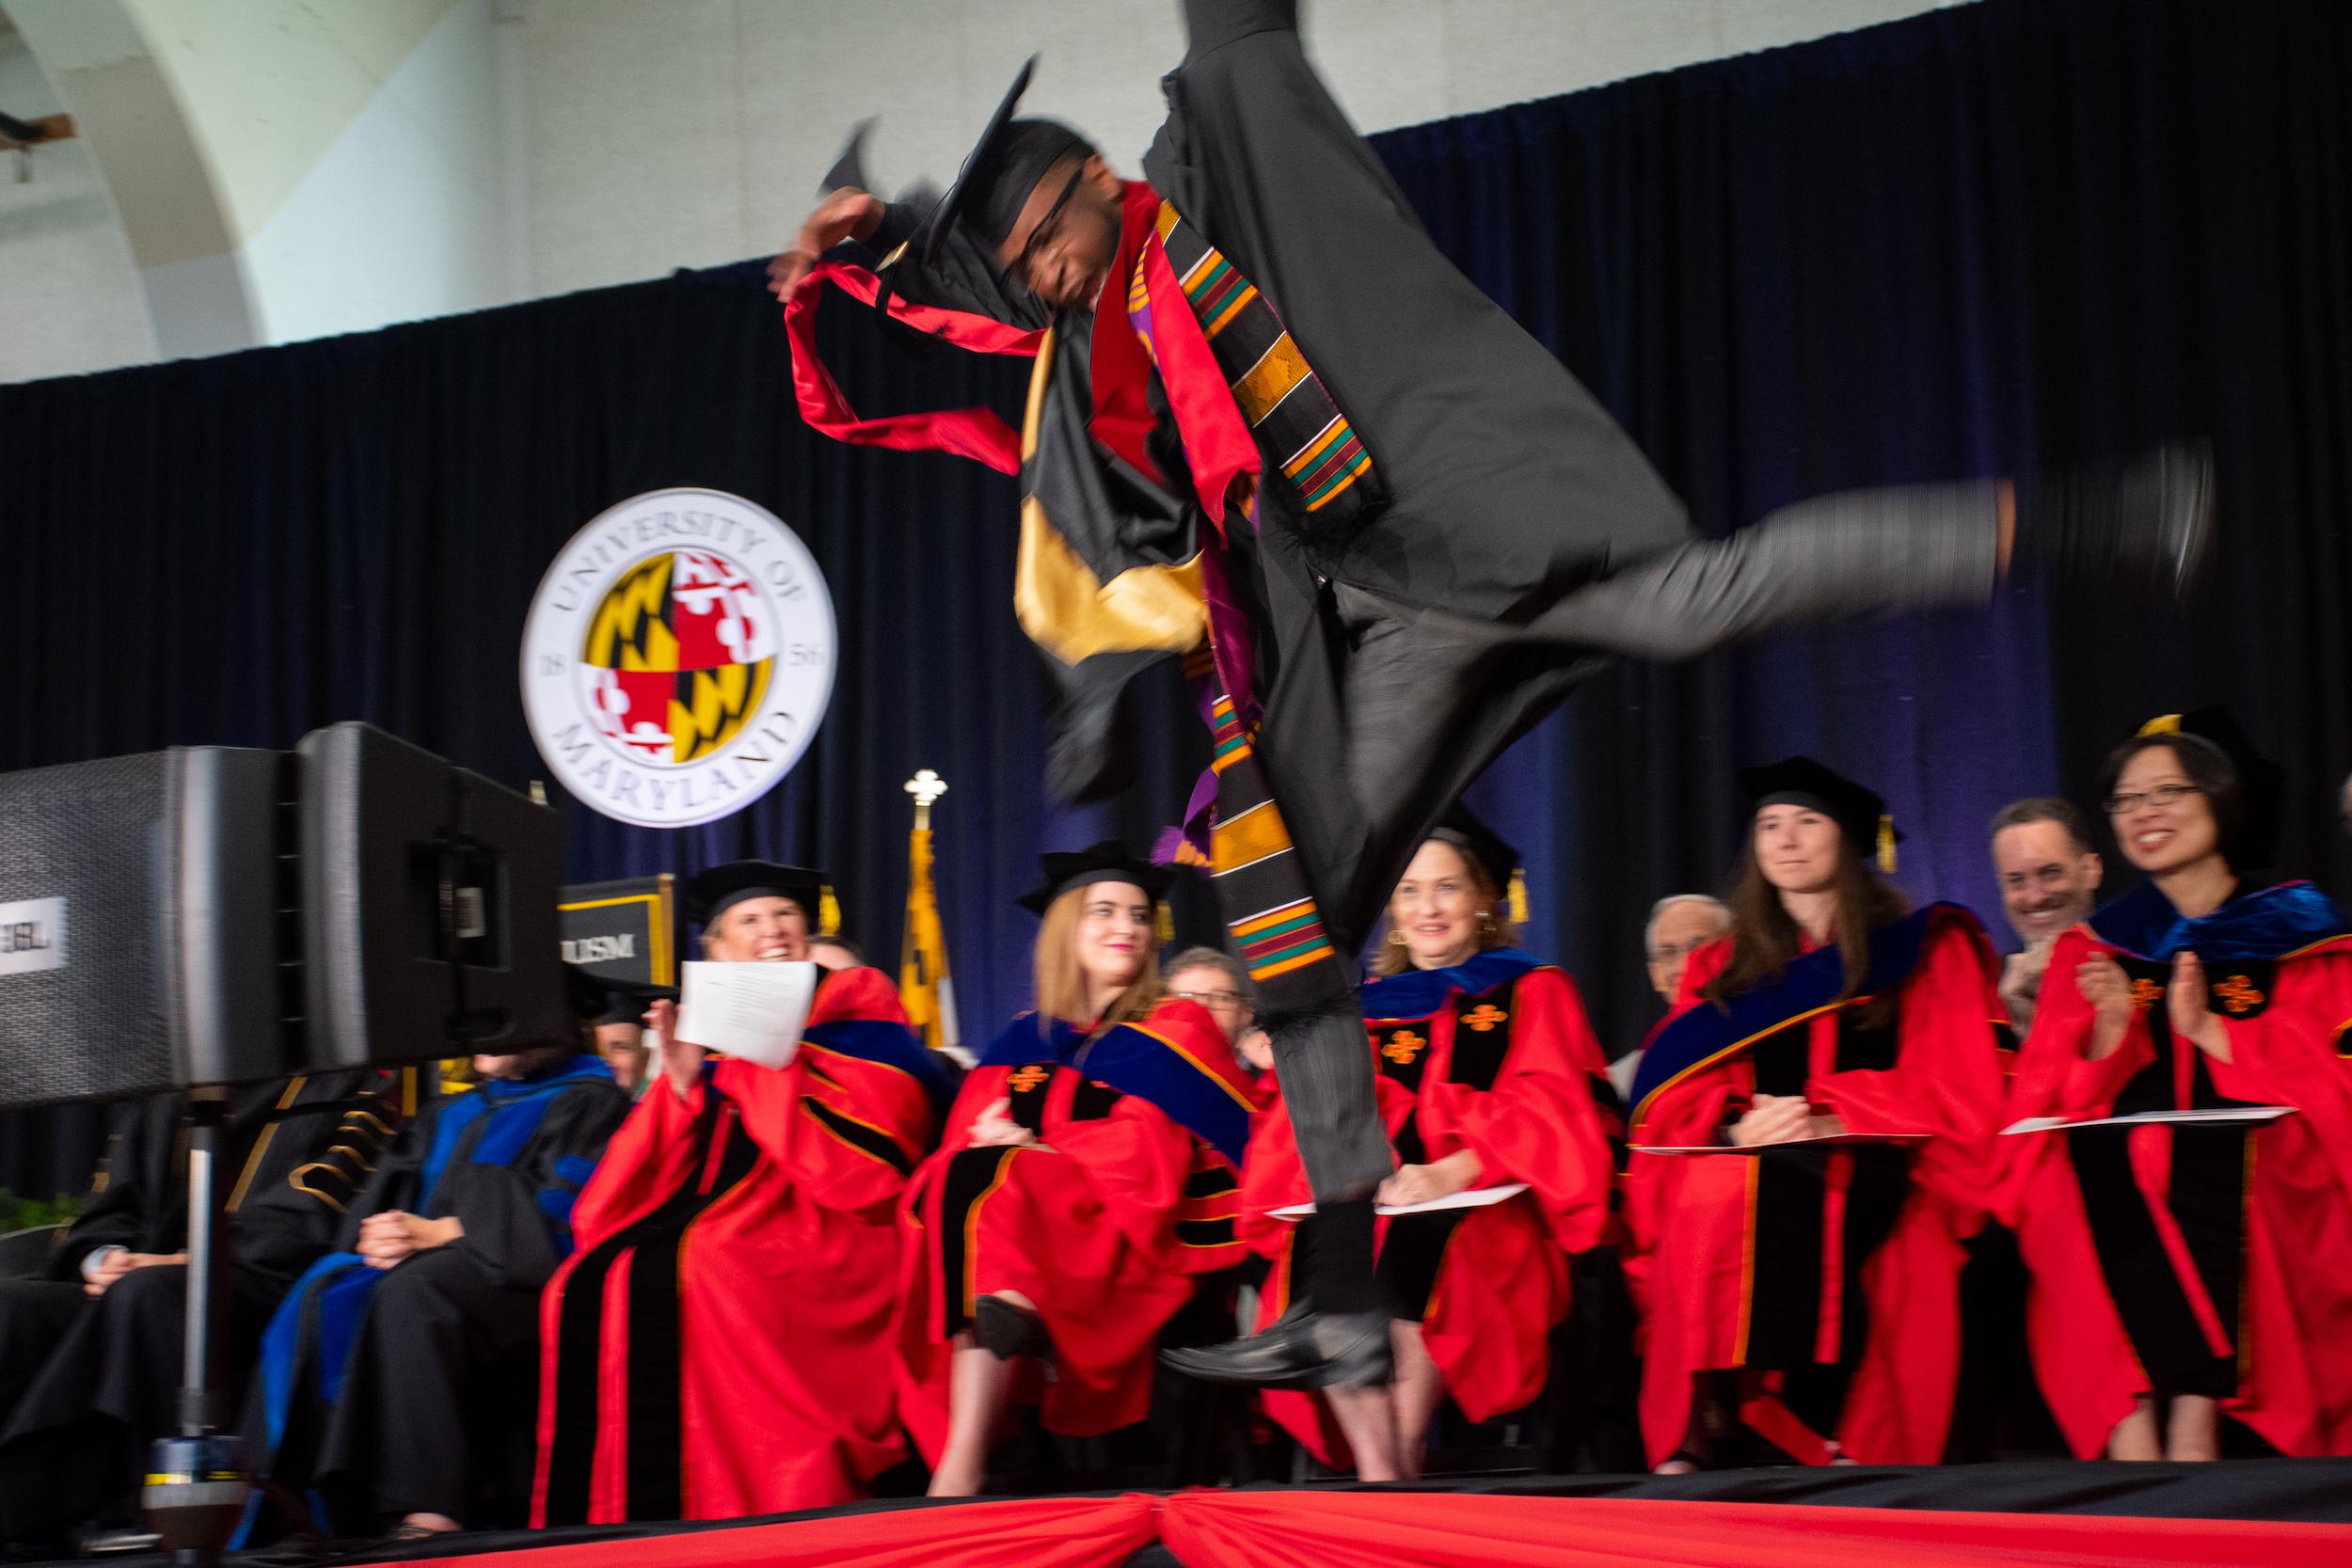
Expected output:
(1488, 1075)
(2184, 1271)
(1811, 1140)
(1085, 1181)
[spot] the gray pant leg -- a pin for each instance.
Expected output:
(1915, 546)
(1325, 1068)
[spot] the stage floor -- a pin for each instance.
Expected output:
(2261, 1513)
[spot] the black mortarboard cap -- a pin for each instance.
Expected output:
(710, 892)
(1005, 165)
(1496, 856)
(1108, 862)
(602, 998)
(2262, 783)
(1859, 811)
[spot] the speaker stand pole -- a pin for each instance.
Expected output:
(197, 1482)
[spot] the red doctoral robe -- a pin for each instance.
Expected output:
(718, 1342)
(1832, 1273)
(1493, 1056)
(2210, 1260)
(1106, 1224)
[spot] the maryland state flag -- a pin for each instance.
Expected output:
(924, 984)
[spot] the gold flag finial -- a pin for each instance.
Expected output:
(2163, 723)
(926, 786)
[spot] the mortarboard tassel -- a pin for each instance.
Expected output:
(828, 913)
(1163, 925)
(1887, 845)
(1517, 895)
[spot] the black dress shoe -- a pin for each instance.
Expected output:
(1305, 1349)
(2144, 522)
(1005, 1331)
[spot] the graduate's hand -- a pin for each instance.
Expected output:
(1456, 1173)
(2185, 1009)
(846, 214)
(2102, 982)
(995, 1127)
(1256, 1048)
(1772, 1118)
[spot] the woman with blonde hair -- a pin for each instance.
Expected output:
(1086, 1178)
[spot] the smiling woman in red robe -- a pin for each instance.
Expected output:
(2189, 1272)
(1811, 1293)
(1490, 1074)
(718, 1342)
(1086, 1180)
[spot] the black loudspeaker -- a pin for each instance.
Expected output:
(429, 906)
(142, 925)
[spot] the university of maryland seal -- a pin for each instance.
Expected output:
(677, 658)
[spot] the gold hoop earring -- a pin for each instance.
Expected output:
(1396, 937)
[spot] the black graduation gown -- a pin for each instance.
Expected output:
(102, 1377)
(435, 1413)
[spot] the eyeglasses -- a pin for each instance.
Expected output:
(2163, 795)
(1209, 998)
(1043, 235)
(1666, 953)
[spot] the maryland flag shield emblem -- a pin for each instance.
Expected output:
(677, 658)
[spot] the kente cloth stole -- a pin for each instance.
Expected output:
(1234, 828)
(1280, 398)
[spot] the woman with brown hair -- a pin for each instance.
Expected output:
(1488, 1075)
(1811, 1134)
(2185, 1270)
(1086, 1178)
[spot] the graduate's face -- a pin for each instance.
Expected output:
(2165, 822)
(2048, 881)
(759, 931)
(1796, 848)
(1436, 905)
(1066, 239)
(1113, 933)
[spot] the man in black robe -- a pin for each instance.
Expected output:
(396, 1380)
(1487, 538)
(91, 1358)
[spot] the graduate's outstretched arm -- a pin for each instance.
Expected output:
(847, 214)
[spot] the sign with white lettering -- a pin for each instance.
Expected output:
(32, 935)
(677, 658)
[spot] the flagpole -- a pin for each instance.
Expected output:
(923, 982)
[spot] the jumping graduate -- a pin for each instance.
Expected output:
(1490, 1074)
(392, 1374)
(1273, 431)
(2187, 1272)
(1810, 1291)
(718, 1342)
(96, 1349)
(1087, 1178)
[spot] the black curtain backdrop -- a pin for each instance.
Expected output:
(2001, 234)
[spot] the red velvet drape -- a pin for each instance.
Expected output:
(1381, 1530)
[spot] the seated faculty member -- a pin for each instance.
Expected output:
(718, 1344)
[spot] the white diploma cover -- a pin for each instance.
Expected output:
(752, 1010)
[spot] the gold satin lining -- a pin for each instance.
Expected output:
(1065, 608)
